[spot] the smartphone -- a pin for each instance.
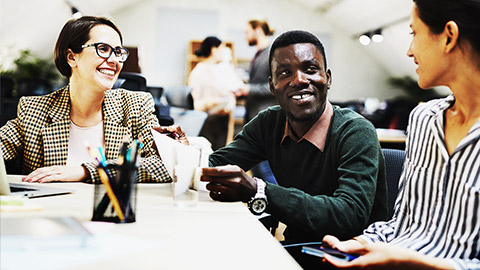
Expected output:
(320, 251)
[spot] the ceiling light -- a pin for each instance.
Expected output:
(364, 39)
(377, 36)
(76, 13)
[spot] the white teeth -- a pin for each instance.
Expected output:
(302, 96)
(107, 72)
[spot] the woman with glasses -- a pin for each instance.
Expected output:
(436, 224)
(54, 133)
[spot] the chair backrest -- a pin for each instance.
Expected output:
(33, 87)
(179, 96)
(394, 159)
(131, 81)
(8, 103)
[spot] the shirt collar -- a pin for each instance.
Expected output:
(317, 134)
(442, 105)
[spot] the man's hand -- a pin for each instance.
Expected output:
(381, 256)
(229, 183)
(57, 173)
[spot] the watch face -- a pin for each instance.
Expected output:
(259, 206)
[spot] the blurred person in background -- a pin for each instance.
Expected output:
(213, 81)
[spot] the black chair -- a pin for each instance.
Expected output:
(131, 81)
(137, 82)
(33, 87)
(394, 159)
(8, 103)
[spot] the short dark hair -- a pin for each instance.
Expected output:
(206, 46)
(465, 13)
(73, 35)
(295, 37)
(262, 24)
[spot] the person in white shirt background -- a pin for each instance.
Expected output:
(213, 81)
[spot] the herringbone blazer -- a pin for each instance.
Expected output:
(41, 131)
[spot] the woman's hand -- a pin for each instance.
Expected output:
(381, 256)
(57, 173)
(346, 246)
(174, 132)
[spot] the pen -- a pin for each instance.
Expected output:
(111, 194)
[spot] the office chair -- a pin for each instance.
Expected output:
(137, 82)
(33, 87)
(8, 103)
(394, 159)
(180, 100)
(179, 96)
(131, 81)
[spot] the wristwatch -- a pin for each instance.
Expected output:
(258, 203)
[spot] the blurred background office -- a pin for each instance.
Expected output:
(365, 40)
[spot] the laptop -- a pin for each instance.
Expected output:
(27, 190)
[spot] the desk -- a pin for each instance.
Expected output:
(391, 138)
(212, 235)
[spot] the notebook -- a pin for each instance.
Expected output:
(27, 190)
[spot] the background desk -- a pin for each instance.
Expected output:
(391, 138)
(212, 235)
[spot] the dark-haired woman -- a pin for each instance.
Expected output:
(50, 132)
(436, 224)
(213, 81)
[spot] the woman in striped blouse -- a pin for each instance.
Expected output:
(436, 224)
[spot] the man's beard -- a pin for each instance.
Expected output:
(312, 118)
(252, 42)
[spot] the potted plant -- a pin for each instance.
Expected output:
(32, 75)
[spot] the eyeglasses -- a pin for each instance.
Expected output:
(105, 51)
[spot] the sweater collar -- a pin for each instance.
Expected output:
(317, 134)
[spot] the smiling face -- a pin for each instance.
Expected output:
(92, 70)
(426, 49)
(299, 81)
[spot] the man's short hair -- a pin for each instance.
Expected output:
(295, 37)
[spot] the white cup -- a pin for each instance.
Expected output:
(186, 175)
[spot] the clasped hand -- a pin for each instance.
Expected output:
(229, 183)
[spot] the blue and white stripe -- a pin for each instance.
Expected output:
(437, 211)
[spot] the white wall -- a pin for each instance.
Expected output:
(358, 72)
(355, 73)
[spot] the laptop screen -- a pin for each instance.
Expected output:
(4, 187)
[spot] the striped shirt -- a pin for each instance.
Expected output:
(437, 211)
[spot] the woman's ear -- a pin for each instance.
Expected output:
(451, 32)
(71, 58)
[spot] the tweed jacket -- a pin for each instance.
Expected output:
(41, 132)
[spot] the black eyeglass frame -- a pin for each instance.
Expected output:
(112, 50)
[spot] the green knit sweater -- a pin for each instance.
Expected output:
(339, 191)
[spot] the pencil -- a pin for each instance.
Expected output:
(111, 194)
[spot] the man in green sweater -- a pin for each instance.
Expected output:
(327, 160)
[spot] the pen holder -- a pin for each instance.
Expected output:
(116, 195)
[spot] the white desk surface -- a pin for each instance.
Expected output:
(212, 235)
